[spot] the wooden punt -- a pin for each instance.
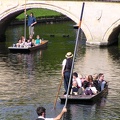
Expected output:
(84, 99)
(28, 49)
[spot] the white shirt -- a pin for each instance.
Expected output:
(79, 82)
(29, 44)
(45, 118)
(64, 62)
(63, 65)
(94, 90)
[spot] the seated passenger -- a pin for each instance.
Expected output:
(23, 41)
(90, 79)
(76, 78)
(84, 82)
(95, 81)
(103, 82)
(38, 40)
(100, 83)
(19, 43)
(95, 77)
(28, 43)
(32, 40)
(74, 89)
(79, 82)
(90, 89)
(87, 90)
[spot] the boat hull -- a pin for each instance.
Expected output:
(43, 45)
(84, 99)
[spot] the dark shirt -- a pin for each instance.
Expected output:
(97, 84)
(85, 84)
(68, 64)
(75, 89)
(31, 20)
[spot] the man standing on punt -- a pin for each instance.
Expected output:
(66, 70)
(31, 22)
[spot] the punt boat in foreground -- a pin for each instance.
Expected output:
(84, 99)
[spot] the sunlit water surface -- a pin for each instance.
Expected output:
(31, 80)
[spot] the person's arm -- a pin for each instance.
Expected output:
(63, 70)
(34, 22)
(63, 67)
(61, 114)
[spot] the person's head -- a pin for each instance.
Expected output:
(86, 77)
(38, 37)
(31, 14)
(75, 75)
(30, 36)
(95, 76)
(28, 40)
(101, 76)
(83, 78)
(80, 76)
(69, 55)
(19, 41)
(90, 78)
(23, 38)
(41, 111)
(74, 84)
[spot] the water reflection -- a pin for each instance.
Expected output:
(19, 82)
(95, 60)
(114, 52)
(31, 80)
(82, 112)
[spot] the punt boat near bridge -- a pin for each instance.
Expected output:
(43, 45)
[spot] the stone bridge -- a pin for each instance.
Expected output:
(100, 24)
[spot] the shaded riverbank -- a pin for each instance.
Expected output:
(44, 16)
(50, 19)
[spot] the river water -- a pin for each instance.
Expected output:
(31, 80)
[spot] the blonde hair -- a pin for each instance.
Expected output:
(95, 76)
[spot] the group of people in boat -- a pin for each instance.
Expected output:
(30, 42)
(87, 85)
(81, 85)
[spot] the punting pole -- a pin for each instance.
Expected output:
(75, 49)
(25, 21)
(58, 92)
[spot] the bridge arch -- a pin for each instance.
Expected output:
(85, 29)
(19, 9)
(111, 35)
